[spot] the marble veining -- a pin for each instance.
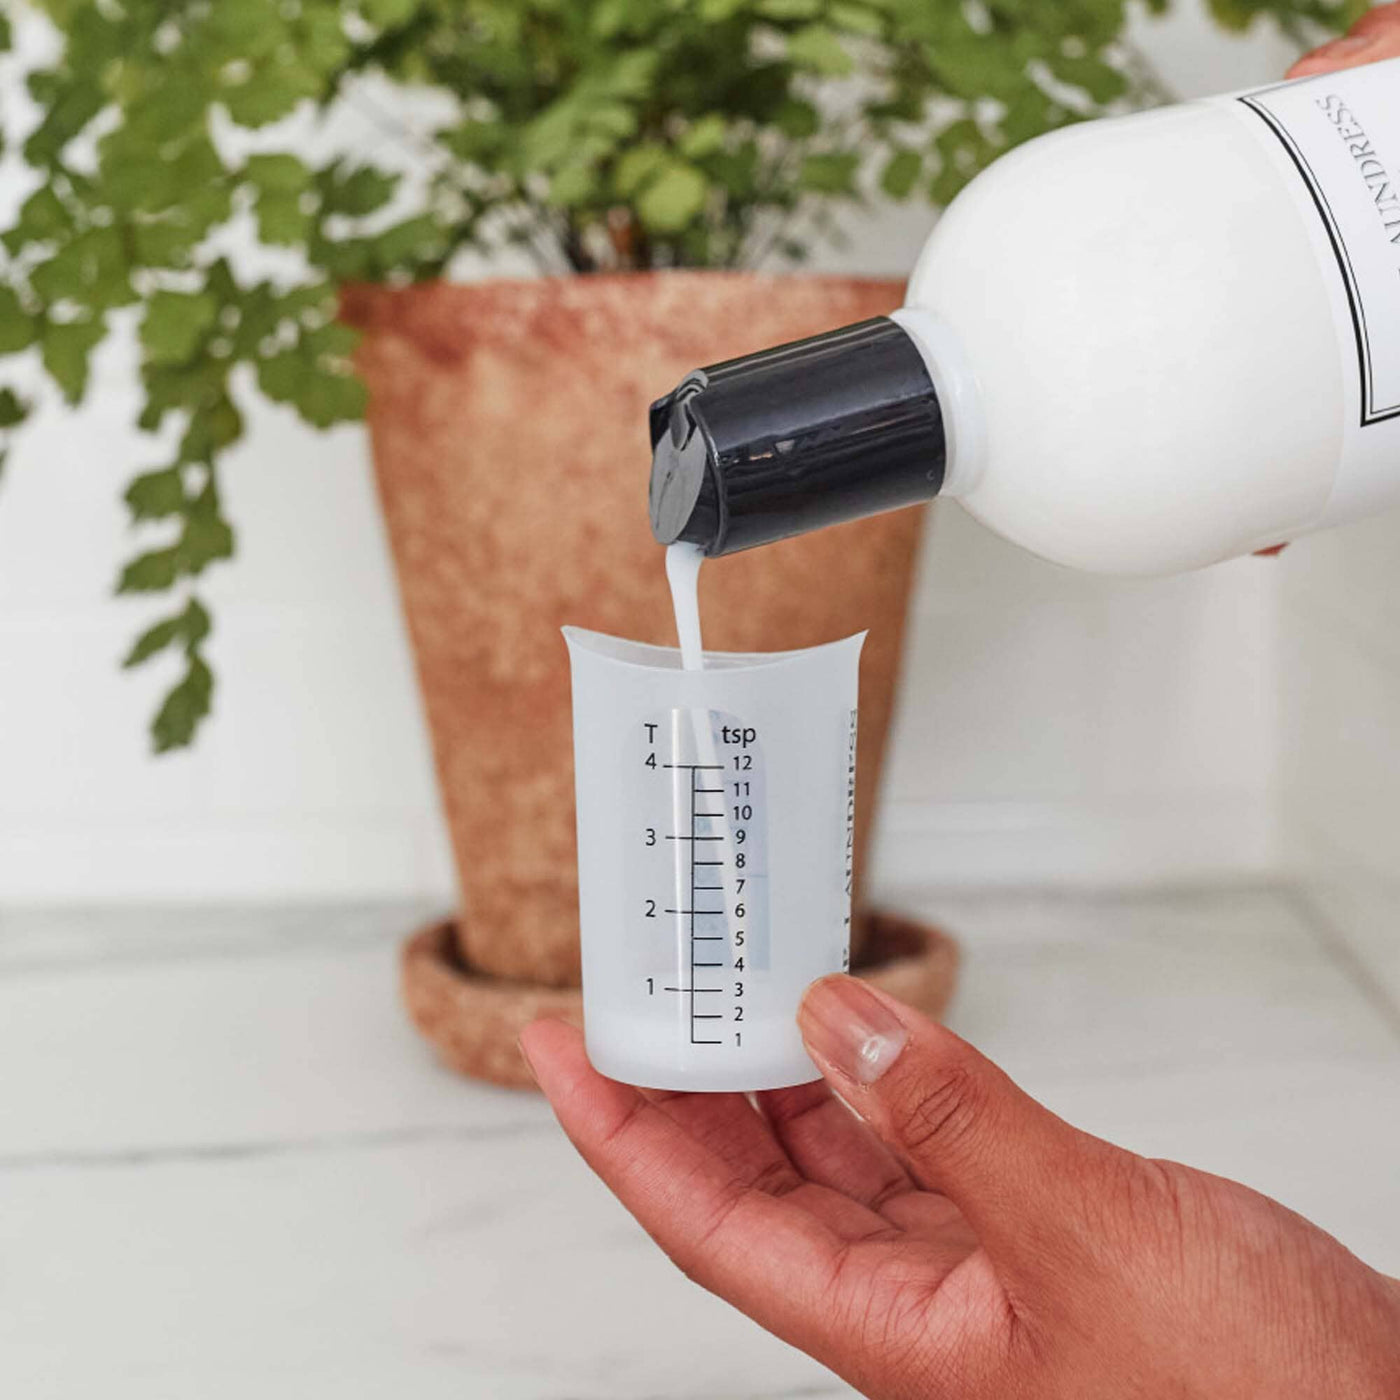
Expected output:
(228, 1167)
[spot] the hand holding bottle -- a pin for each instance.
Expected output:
(1374, 36)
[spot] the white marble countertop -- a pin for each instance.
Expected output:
(229, 1169)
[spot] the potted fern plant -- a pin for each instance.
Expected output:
(660, 163)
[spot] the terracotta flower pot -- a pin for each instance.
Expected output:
(508, 422)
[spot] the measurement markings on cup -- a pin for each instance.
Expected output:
(695, 907)
(708, 856)
(694, 965)
(716, 911)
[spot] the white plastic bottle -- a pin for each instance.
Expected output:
(1138, 345)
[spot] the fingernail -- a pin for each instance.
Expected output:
(853, 1031)
(525, 1055)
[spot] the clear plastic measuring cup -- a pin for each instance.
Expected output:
(716, 817)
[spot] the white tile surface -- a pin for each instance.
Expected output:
(228, 1168)
(1138, 983)
(478, 1268)
(1362, 911)
(269, 1046)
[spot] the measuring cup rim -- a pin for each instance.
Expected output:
(644, 656)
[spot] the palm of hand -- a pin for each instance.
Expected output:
(796, 1213)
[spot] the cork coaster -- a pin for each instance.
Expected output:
(473, 1021)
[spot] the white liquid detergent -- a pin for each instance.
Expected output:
(683, 574)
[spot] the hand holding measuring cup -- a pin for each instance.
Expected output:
(953, 1240)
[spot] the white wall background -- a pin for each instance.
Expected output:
(1339, 770)
(1053, 727)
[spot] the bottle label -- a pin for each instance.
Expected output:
(1338, 136)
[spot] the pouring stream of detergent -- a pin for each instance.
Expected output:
(683, 574)
(683, 562)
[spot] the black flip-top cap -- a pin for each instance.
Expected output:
(813, 433)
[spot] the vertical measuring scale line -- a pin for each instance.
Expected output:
(701, 847)
(683, 865)
(691, 904)
(691, 778)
